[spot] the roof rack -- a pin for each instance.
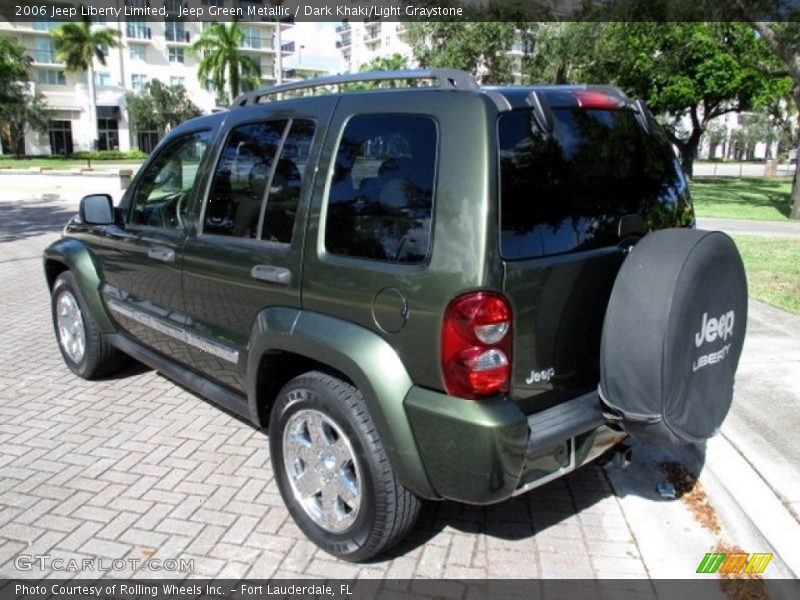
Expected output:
(447, 78)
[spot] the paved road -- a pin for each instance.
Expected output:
(135, 467)
(745, 227)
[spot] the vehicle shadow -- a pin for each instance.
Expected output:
(24, 219)
(566, 503)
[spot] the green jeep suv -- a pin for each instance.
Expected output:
(424, 290)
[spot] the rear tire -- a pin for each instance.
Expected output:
(85, 350)
(332, 469)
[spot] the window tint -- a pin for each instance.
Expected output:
(381, 192)
(241, 179)
(566, 191)
(162, 194)
(284, 190)
(253, 192)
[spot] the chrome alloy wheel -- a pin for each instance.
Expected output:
(322, 470)
(71, 332)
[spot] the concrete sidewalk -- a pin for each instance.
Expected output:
(749, 227)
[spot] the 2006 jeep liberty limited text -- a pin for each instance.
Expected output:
(425, 291)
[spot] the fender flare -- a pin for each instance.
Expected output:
(70, 254)
(365, 358)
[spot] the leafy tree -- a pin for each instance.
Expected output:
(160, 107)
(395, 62)
(29, 113)
(20, 110)
(783, 39)
(78, 45)
(14, 67)
(563, 52)
(694, 70)
(222, 60)
(480, 48)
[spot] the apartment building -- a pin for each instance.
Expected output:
(360, 43)
(150, 50)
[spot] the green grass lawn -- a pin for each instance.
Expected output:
(773, 270)
(60, 163)
(760, 198)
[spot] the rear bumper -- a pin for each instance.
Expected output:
(483, 452)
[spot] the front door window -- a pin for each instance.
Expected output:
(162, 194)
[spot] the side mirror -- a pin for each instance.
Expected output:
(97, 209)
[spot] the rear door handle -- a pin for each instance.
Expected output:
(271, 274)
(162, 254)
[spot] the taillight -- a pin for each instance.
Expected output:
(476, 345)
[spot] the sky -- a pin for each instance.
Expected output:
(318, 41)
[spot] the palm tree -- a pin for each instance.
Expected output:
(77, 44)
(222, 59)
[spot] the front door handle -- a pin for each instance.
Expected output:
(271, 274)
(162, 254)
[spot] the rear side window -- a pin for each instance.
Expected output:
(381, 192)
(257, 182)
(566, 191)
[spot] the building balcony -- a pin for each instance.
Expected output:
(258, 44)
(44, 57)
(141, 35)
(177, 37)
(343, 28)
(372, 35)
(344, 43)
(287, 48)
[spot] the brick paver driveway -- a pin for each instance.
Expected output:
(135, 467)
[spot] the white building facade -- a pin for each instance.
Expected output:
(361, 43)
(150, 50)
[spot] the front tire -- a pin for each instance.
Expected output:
(85, 351)
(332, 469)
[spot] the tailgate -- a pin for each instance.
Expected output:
(582, 177)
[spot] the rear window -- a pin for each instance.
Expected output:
(566, 191)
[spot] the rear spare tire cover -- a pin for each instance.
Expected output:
(673, 334)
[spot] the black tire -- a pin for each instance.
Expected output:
(98, 357)
(386, 511)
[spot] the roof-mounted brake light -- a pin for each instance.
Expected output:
(597, 100)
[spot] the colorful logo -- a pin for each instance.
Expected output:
(737, 562)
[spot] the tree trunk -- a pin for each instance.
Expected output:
(688, 149)
(794, 197)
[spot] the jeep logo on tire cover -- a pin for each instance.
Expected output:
(710, 330)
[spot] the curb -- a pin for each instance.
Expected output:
(755, 499)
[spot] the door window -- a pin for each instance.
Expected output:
(253, 195)
(162, 195)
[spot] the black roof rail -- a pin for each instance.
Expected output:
(447, 78)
